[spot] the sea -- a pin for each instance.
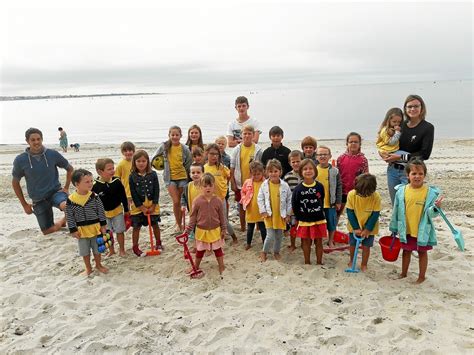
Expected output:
(325, 112)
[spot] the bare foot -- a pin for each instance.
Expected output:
(247, 247)
(292, 248)
(263, 257)
(420, 280)
(122, 253)
(102, 269)
(110, 253)
(363, 268)
(349, 263)
(331, 245)
(207, 253)
(319, 263)
(243, 229)
(86, 272)
(221, 269)
(234, 240)
(277, 256)
(402, 276)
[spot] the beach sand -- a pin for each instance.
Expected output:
(147, 305)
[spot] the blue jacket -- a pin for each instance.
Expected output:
(426, 229)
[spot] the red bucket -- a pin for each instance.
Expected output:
(341, 238)
(387, 254)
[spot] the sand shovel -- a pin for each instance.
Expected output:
(183, 240)
(353, 268)
(456, 232)
(152, 251)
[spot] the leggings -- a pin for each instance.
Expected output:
(274, 236)
(251, 228)
(218, 253)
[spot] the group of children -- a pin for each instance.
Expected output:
(280, 191)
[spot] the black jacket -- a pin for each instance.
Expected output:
(111, 193)
(144, 186)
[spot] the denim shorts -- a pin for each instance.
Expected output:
(116, 224)
(366, 242)
(43, 209)
(86, 244)
(331, 218)
(178, 183)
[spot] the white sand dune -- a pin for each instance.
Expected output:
(147, 305)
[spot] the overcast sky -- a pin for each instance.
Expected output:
(136, 46)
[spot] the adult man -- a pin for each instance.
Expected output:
(39, 166)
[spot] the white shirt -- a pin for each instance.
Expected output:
(235, 127)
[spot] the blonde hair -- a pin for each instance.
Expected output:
(101, 163)
(248, 128)
(207, 179)
(325, 147)
(273, 164)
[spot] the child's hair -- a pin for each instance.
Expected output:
(325, 147)
(60, 128)
(168, 142)
(78, 174)
(274, 131)
(351, 134)
(248, 128)
(306, 162)
(256, 166)
(414, 162)
(422, 103)
(394, 111)
(31, 131)
(221, 138)
(241, 100)
(214, 146)
(207, 179)
(199, 143)
(365, 184)
(127, 146)
(138, 154)
(101, 163)
(197, 152)
(198, 165)
(273, 164)
(309, 141)
(294, 154)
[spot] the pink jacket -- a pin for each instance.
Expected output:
(246, 193)
(350, 166)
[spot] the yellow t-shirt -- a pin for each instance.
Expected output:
(208, 236)
(247, 155)
(275, 221)
(193, 192)
(252, 214)
(382, 142)
(414, 204)
(222, 175)
(175, 159)
(91, 230)
(363, 208)
(323, 178)
(135, 210)
(123, 170)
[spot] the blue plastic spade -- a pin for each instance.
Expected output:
(354, 268)
(456, 232)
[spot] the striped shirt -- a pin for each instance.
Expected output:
(91, 213)
(292, 179)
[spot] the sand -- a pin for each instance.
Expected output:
(147, 305)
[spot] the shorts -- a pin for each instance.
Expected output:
(237, 196)
(43, 209)
(331, 218)
(366, 242)
(116, 224)
(86, 244)
(412, 245)
(178, 183)
(139, 220)
(317, 231)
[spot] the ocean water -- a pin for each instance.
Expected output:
(324, 112)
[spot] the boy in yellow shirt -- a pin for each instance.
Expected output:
(124, 168)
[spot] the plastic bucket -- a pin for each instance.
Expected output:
(340, 237)
(387, 254)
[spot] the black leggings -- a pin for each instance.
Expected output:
(251, 228)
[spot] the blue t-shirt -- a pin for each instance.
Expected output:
(40, 171)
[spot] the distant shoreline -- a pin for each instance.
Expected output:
(46, 97)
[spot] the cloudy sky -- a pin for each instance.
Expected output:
(54, 47)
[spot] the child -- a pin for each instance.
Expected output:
(274, 204)
(234, 130)
(192, 190)
(86, 219)
(76, 146)
(207, 217)
(329, 177)
(363, 211)
(242, 156)
(250, 190)
(198, 155)
(195, 138)
(293, 179)
(177, 160)
(221, 142)
(309, 146)
(124, 168)
(62, 139)
(112, 194)
(413, 209)
(351, 163)
(145, 190)
(221, 175)
(308, 207)
(389, 133)
(277, 150)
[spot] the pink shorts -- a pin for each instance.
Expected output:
(412, 245)
(316, 231)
